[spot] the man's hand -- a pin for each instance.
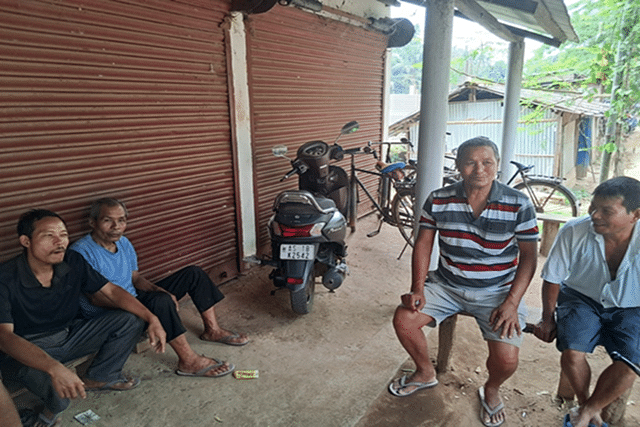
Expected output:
(413, 301)
(66, 383)
(545, 330)
(505, 317)
(157, 335)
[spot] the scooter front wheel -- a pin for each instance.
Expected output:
(302, 300)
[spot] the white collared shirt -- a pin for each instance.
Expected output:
(577, 260)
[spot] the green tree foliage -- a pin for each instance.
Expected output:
(605, 61)
(480, 63)
(406, 65)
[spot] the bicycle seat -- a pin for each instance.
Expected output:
(393, 166)
(521, 166)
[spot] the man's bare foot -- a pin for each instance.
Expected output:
(204, 367)
(579, 417)
(225, 337)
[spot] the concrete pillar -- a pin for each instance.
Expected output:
(434, 101)
(511, 109)
(241, 131)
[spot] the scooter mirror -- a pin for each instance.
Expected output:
(279, 150)
(349, 128)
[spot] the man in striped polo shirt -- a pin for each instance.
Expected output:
(487, 235)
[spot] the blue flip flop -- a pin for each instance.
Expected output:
(567, 422)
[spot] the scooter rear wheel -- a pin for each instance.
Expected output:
(302, 300)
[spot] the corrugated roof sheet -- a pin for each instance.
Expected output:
(564, 101)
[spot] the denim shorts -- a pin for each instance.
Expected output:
(583, 324)
(443, 300)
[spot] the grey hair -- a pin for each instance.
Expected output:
(478, 141)
(96, 207)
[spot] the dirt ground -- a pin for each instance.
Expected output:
(529, 395)
(332, 366)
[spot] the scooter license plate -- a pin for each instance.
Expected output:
(301, 252)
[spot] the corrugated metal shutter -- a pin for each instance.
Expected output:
(122, 98)
(310, 75)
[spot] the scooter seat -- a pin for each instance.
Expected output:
(325, 203)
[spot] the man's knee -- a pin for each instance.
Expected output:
(195, 272)
(130, 323)
(503, 354)
(572, 357)
(161, 303)
(404, 319)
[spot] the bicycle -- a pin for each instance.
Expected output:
(391, 178)
(547, 194)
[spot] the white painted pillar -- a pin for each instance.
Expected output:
(240, 110)
(434, 104)
(434, 100)
(511, 113)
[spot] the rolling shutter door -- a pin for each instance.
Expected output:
(126, 99)
(309, 75)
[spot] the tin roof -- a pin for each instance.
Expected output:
(547, 21)
(561, 101)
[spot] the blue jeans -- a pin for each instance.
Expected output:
(112, 336)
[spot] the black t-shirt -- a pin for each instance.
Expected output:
(34, 309)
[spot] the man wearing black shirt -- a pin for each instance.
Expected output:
(39, 329)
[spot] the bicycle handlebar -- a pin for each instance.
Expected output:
(403, 141)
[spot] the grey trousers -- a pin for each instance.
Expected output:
(112, 336)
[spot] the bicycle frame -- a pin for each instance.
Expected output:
(382, 204)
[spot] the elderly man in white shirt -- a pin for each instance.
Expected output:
(591, 296)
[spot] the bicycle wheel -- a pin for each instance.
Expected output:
(550, 197)
(402, 211)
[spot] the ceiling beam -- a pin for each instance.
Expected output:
(527, 6)
(522, 33)
(477, 13)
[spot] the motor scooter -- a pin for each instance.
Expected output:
(308, 227)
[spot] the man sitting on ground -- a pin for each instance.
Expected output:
(590, 296)
(39, 328)
(488, 242)
(112, 254)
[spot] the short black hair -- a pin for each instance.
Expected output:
(478, 141)
(96, 207)
(622, 186)
(27, 221)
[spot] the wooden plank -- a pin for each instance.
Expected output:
(550, 227)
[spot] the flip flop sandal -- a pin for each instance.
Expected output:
(203, 372)
(402, 384)
(484, 408)
(229, 340)
(567, 422)
(110, 385)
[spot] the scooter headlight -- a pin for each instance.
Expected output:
(310, 230)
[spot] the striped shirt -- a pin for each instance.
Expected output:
(479, 252)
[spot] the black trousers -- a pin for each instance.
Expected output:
(190, 280)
